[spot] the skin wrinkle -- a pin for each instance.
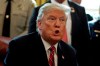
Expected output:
(57, 23)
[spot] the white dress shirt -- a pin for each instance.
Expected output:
(47, 46)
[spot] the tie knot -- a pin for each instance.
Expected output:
(52, 48)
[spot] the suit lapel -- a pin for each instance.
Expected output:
(75, 20)
(64, 56)
(59, 53)
(73, 16)
(39, 51)
(61, 56)
(42, 54)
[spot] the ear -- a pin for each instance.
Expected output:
(39, 24)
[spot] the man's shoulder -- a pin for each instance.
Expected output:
(72, 4)
(26, 37)
(24, 42)
(66, 46)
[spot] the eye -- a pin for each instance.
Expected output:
(62, 19)
(51, 18)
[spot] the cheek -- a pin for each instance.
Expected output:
(46, 34)
(46, 29)
(62, 32)
(48, 26)
(63, 29)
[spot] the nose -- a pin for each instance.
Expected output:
(57, 23)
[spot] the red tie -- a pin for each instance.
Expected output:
(65, 39)
(51, 56)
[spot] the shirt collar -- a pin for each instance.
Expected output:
(47, 45)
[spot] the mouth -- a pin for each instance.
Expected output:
(57, 31)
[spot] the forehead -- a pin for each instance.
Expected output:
(55, 12)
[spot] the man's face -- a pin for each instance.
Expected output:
(60, 1)
(52, 25)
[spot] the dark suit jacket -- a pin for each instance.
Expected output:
(95, 44)
(80, 33)
(29, 51)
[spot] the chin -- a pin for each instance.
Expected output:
(56, 38)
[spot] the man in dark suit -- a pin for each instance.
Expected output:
(34, 49)
(78, 33)
(95, 43)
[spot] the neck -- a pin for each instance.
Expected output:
(52, 42)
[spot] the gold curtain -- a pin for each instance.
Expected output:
(39, 2)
